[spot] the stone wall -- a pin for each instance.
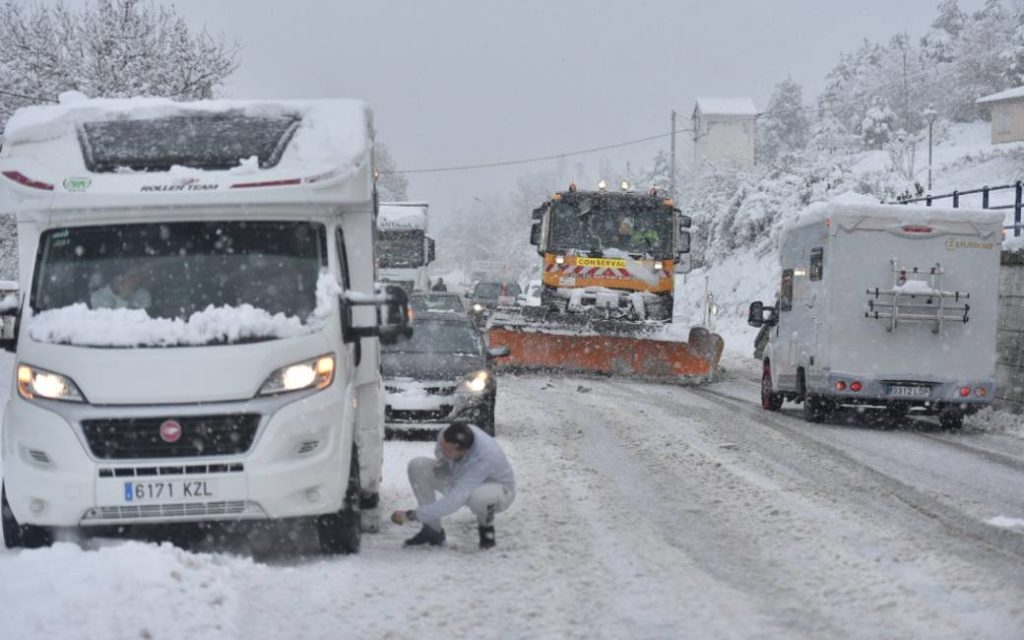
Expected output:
(1010, 337)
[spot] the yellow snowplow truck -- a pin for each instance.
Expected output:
(609, 259)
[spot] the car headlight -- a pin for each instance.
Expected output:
(475, 382)
(317, 373)
(478, 308)
(36, 383)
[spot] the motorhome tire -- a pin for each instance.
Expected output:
(770, 400)
(815, 408)
(340, 532)
(18, 535)
(951, 418)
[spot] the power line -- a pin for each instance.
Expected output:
(25, 97)
(508, 163)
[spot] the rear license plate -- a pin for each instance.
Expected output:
(909, 391)
(160, 491)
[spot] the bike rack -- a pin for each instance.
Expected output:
(917, 296)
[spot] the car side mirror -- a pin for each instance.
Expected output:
(758, 315)
(392, 317)
(497, 352)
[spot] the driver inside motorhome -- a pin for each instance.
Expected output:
(260, 276)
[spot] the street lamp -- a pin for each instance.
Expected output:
(929, 115)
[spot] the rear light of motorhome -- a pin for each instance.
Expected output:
(856, 385)
(269, 183)
(981, 392)
(25, 181)
(965, 391)
(840, 385)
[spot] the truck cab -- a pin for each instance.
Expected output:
(198, 328)
(403, 247)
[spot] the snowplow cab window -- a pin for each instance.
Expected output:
(786, 295)
(817, 263)
(215, 142)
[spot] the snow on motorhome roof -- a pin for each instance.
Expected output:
(1009, 94)
(335, 132)
(726, 106)
(854, 205)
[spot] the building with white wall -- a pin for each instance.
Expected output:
(723, 133)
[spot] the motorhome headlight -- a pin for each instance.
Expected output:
(475, 382)
(317, 373)
(36, 383)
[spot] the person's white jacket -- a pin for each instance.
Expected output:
(484, 462)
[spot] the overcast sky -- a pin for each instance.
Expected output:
(459, 82)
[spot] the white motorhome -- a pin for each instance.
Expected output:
(198, 330)
(884, 305)
(403, 247)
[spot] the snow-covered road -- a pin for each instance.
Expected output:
(643, 511)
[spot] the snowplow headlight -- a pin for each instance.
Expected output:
(658, 265)
(559, 259)
(475, 382)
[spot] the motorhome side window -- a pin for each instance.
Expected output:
(817, 263)
(172, 270)
(339, 239)
(786, 292)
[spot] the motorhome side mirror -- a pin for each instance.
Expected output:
(431, 253)
(755, 316)
(393, 315)
(392, 305)
(497, 352)
(759, 315)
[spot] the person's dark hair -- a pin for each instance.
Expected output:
(459, 434)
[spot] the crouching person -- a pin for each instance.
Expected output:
(471, 470)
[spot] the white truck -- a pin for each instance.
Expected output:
(883, 305)
(403, 247)
(198, 329)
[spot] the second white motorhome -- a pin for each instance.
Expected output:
(403, 247)
(198, 332)
(884, 305)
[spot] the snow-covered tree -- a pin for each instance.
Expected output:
(392, 185)
(659, 176)
(784, 127)
(107, 48)
(878, 124)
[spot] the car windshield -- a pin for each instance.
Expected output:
(424, 303)
(493, 290)
(172, 270)
(400, 249)
(597, 224)
(440, 337)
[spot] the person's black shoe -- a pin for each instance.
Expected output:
(487, 540)
(426, 535)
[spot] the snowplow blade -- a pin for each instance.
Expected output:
(534, 349)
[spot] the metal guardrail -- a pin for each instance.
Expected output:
(985, 194)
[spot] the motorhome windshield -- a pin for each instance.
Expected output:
(400, 249)
(172, 270)
(597, 224)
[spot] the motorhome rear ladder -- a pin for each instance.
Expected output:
(917, 296)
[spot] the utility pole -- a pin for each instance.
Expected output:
(930, 114)
(672, 160)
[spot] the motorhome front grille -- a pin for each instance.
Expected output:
(176, 510)
(438, 415)
(189, 436)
